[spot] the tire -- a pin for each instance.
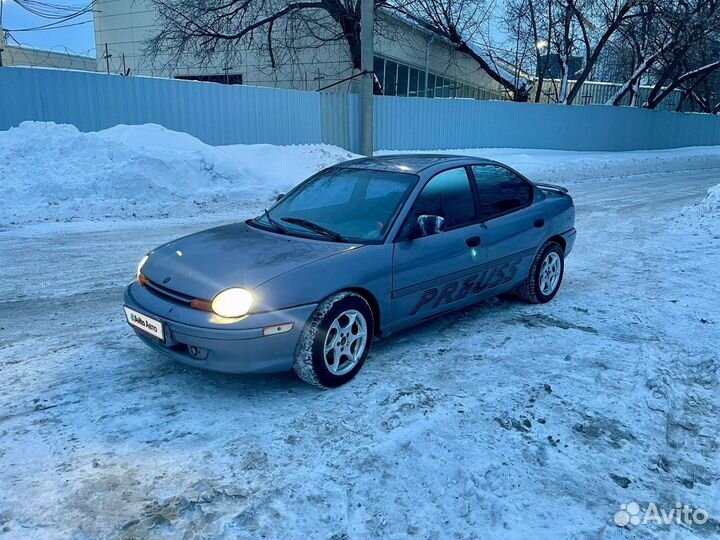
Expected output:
(534, 289)
(343, 315)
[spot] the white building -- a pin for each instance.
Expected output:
(410, 61)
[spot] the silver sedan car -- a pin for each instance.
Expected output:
(359, 250)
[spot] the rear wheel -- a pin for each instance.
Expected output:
(545, 276)
(335, 341)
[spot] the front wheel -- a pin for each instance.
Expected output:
(545, 276)
(335, 341)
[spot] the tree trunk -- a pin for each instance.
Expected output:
(654, 102)
(634, 79)
(592, 60)
(507, 85)
(349, 23)
(564, 53)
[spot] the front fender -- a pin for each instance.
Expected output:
(366, 267)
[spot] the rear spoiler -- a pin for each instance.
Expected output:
(551, 187)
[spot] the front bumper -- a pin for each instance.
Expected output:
(215, 345)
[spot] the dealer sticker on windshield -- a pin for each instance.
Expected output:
(144, 323)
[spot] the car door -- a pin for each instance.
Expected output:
(514, 226)
(434, 273)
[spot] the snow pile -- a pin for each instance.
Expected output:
(51, 172)
(703, 215)
(709, 212)
(711, 204)
(54, 172)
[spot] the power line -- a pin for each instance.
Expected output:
(50, 26)
(58, 14)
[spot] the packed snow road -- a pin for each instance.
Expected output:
(505, 421)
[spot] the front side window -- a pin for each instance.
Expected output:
(357, 205)
(449, 196)
(499, 191)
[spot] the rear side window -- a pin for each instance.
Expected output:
(447, 195)
(499, 191)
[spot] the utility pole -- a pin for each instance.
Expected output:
(366, 65)
(2, 32)
(107, 57)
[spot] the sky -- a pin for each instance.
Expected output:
(78, 39)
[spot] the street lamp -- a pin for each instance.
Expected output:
(541, 44)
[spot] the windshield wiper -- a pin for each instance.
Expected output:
(272, 222)
(315, 227)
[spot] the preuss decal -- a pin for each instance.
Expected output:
(454, 291)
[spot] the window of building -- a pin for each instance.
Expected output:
(431, 86)
(402, 80)
(378, 68)
(397, 79)
(413, 87)
(230, 78)
(439, 92)
(390, 78)
(421, 84)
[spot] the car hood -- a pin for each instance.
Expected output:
(238, 255)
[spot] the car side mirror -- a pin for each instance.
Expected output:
(279, 197)
(428, 225)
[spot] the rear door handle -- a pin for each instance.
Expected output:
(539, 223)
(473, 241)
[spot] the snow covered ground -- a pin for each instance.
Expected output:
(505, 421)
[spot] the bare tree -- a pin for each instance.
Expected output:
(647, 38)
(460, 22)
(609, 16)
(695, 54)
(675, 43)
(203, 29)
(530, 24)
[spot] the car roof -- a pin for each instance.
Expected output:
(408, 163)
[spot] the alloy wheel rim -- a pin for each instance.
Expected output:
(550, 273)
(345, 342)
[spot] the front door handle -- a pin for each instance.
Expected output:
(538, 223)
(473, 241)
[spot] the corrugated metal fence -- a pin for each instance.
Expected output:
(214, 113)
(219, 114)
(422, 124)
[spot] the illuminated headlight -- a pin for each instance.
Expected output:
(232, 303)
(140, 265)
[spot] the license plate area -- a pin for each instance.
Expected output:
(150, 326)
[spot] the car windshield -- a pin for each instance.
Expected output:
(352, 205)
